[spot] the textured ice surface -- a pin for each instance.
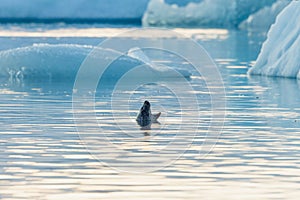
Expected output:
(62, 61)
(212, 13)
(264, 18)
(280, 53)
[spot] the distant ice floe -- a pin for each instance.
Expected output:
(62, 61)
(75, 10)
(280, 53)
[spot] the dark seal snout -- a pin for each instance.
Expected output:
(146, 106)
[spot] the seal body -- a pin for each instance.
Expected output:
(145, 117)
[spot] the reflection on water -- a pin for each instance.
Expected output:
(256, 157)
(42, 156)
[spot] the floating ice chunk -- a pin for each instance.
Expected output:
(63, 61)
(56, 61)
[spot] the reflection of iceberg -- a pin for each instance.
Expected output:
(278, 101)
(277, 92)
(280, 53)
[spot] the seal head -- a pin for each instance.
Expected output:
(144, 116)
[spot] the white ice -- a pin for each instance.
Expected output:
(264, 18)
(212, 13)
(63, 61)
(280, 53)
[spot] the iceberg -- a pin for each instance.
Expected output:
(41, 61)
(63, 61)
(180, 13)
(268, 14)
(210, 13)
(280, 53)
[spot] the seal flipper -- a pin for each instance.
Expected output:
(155, 117)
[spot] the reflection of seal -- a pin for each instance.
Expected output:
(145, 118)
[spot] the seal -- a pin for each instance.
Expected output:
(145, 117)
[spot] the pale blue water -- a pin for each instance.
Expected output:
(256, 155)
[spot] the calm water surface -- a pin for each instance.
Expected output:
(45, 155)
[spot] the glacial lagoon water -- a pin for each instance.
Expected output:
(47, 154)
